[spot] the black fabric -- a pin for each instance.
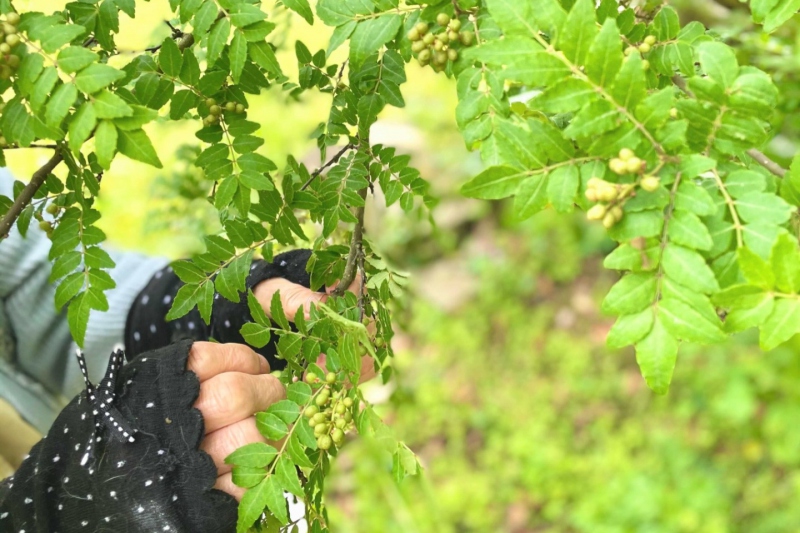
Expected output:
(147, 328)
(158, 482)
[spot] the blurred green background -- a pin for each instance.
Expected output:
(524, 421)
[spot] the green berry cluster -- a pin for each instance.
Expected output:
(9, 62)
(46, 225)
(331, 415)
(612, 196)
(215, 110)
(437, 49)
(643, 48)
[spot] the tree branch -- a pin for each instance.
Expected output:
(356, 250)
(332, 161)
(761, 158)
(28, 193)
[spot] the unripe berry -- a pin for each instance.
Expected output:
(634, 164)
(452, 36)
(319, 418)
(645, 65)
(337, 436)
(340, 409)
(324, 442)
(650, 183)
(650, 39)
(311, 377)
(442, 19)
(379, 342)
(607, 193)
(340, 423)
(12, 40)
(452, 54)
(310, 411)
(467, 38)
(429, 38)
(591, 195)
(8, 29)
(12, 18)
(625, 154)
(424, 56)
(215, 110)
(331, 377)
(210, 102)
(421, 27)
(618, 166)
(348, 402)
(630, 50)
(230, 106)
(673, 113)
(438, 45)
(3, 141)
(320, 429)
(51, 208)
(644, 48)
(321, 400)
(45, 226)
(443, 38)
(4, 48)
(440, 58)
(348, 416)
(616, 211)
(609, 220)
(596, 212)
(240, 108)
(413, 35)
(418, 47)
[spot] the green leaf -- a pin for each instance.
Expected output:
(97, 76)
(247, 476)
(263, 55)
(59, 104)
(105, 143)
(689, 268)
(287, 476)
(267, 493)
(245, 14)
(656, 354)
(256, 310)
(169, 58)
(136, 145)
(43, 88)
(666, 24)
(256, 180)
(685, 322)
(237, 54)
(217, 39)
(299, 392)
(57, 36)
(182, 102)
(204, 18)
(74, 58)
(562, 186)
(781, 325)
(686, 229)
(255, 334)
(605, 55)
(81, 126)
(370, 35)
(68, 288)
(785, 264)
(302, 8)
(693, 198)
(494, 183)
(271, 426)
(763, 207)
(750, 317)
(78, 316)
(256, 454)
(630, 329)
(719, 62)
(631, 294)
(286, 410)
(277, 312)
(569, 94)
(337, 12)
(742, 182)
(578, 32)
(780, 14)
(295, 450)
(755, 270)
(630, 86)
(594, 119)
(109, 105)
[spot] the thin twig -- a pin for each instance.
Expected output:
(28, 193)
(351, 266)
(50, 146)
(761, 158)
(321, 169)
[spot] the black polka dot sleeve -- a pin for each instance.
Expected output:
(123, 456)
(147, 327)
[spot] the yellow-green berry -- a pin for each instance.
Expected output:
(421, 27)
(650, 183)
(596, 212)
(442, 19)
(633, 165)
(12, 40)
(650, 39)
(240, 108)
(452, 54)
(12, 18)
(644, 48)
(454, 25)
(625, 154)
(330, 377)
(324, 442)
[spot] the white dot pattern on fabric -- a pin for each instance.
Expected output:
(167, 299)
(137, 336)
(227, 323)
(148, 482)
(152, 328)
(145, 299)
(191, 325)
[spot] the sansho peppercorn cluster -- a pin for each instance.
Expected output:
(332, 413)
(437, 49)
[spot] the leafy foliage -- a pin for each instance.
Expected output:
(651, 126)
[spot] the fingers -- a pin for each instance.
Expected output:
(233, 396)
(208, 359)
(221, 443)
(225, 483)
(354, 287)
(293, 296)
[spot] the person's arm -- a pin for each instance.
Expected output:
(37, 375)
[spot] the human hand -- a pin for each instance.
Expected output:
(235, 383)
(295, 297)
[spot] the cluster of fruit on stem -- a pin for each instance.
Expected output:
(437, 49)
(612, 196)
(215, 110)
(643, 48)
(331, 415)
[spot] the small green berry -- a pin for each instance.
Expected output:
(331, 377)
(438, 45)
(319, 418)
(609, 220)
(630, 50)
(51, 208)
(440, 58)
(650, 39)
(452, 54)
(324, 442)
(418, 47)
(429, 38)
(421, 27)
(12, 40)
(453, 36)
(240, 108)
(12, 18)
(673, 112)
(230, 107)
(348, 402)
(644, 48)
(210, 102)
(337, 435)
(340, 423)
(634, 164)
(454, 25)
(467, 38)
(45, 226)
(625, 154)
(424, 56)
(215, 110)
(650, 183)
(596, 212)
(340, 409)
(413, 35)
(442, 19)
(311, 377)
(310, 411)
(5, 49)
(645, 65)
(12, 61)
